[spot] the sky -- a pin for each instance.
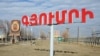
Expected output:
(15, 9)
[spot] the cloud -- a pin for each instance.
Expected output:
(47, 6)
(11, 9)
(9, 0)
(17, 4)
(37, 0)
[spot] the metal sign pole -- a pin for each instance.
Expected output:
(51, 41)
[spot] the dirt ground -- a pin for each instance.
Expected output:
(41, 48)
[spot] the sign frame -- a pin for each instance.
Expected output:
(15, 23)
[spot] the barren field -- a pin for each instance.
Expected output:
(41, 48)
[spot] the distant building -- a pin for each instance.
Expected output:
(56, 33)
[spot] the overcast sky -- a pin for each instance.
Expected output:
(15, 9)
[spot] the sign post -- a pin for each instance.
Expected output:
(15, 30)
(51, 41)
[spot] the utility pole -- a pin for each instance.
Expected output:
(93, 36)
(67, 33)
(78, 34)
(31, 35)
(24, 36)
(26, 33)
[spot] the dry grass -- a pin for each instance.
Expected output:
(26, 49)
